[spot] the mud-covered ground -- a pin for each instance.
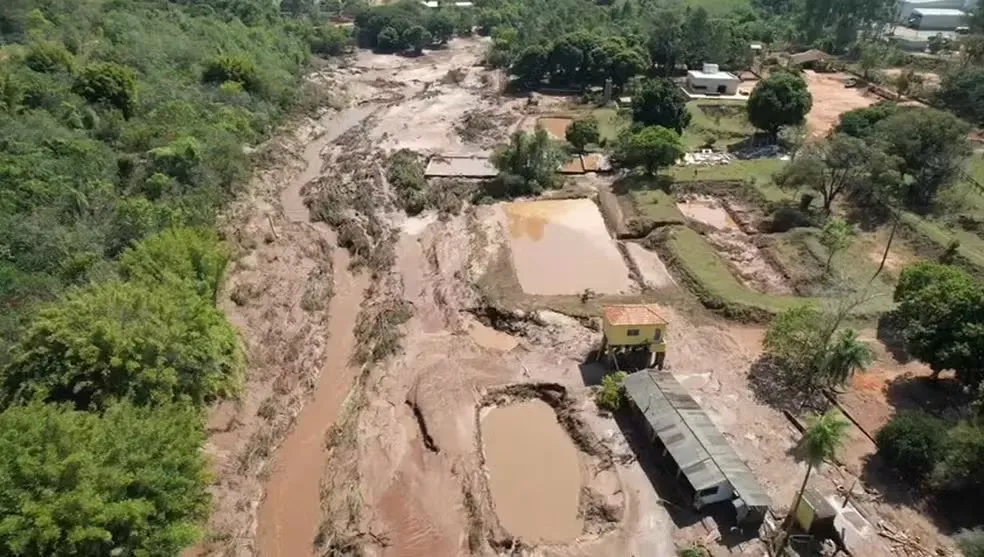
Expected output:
(359, 432)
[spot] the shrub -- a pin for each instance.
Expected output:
(48, 57)
(611, 393)
(912, 443)
(236, 68)
(131, 481)
(108, 83)
(150, 345)
(971, 543)
(192, 257)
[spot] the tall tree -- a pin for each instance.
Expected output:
(932, 145)
(652, 148)
(836, 236)
(962, 92)
(823, 437)
(661, 103)
(940, 313)
(116, 341)
(779, 100)
(532, 158)
(530, 66)
(837, 166)
(581, 132)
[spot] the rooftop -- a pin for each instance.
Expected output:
(703, 454)
(633, 314)
(460, 167)
(939, 11)
(811, 55)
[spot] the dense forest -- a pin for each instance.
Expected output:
(124, 127)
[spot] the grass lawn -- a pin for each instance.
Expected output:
(725, 121)
(803, 258)
(657, 205)
(758, 173)
(721, 288)
(610, 123)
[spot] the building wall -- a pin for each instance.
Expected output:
(905, 8)
(724, 493)
(618, 335)
(711, 85)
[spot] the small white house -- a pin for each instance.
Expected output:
(711, 80)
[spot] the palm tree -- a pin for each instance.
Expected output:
(845, 355)
(823, 436)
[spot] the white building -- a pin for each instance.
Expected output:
(906, 6)
(711, 80)
(939, 19)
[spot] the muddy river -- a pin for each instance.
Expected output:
(534, 472)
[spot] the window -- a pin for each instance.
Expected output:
(657, 335)
(708, 491)
(632, 332)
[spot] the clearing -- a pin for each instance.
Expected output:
(831, 99)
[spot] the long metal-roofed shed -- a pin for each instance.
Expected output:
(691, 446)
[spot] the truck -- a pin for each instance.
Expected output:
(938, 19)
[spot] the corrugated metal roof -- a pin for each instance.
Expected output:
(633, 314)
(696, 444)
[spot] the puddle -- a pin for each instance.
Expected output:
(562, 247)
(556, 127)
(487, 337)
(707, 210)
(534, 472)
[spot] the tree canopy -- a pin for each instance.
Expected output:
(528, 164)
(780, 100)
(126, 341)
(651, 147)
(940, 314)
(931, 144)
(581, 132)
(130, 481)
(661, 103)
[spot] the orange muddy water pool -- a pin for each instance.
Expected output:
(534, 472)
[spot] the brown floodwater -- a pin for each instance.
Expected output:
(534, 472)
(291, 508)
(563, 247)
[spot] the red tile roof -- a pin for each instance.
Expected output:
(633, 314)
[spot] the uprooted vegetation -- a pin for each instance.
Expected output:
(415, 193)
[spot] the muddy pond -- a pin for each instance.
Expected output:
(534, 472)
(563, 247)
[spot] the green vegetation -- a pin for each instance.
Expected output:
(528, 164)
(611, 393)
(125, 128)
(660, 102)
(710, 277)
(941, 316)
(658, 206)
(582, 132)
(911, 443)
(409, 25)
(779, 101)
(813, 350)
(758, 173)
(650, 147)
(824, 436)
(716, 123)
(129, 481)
